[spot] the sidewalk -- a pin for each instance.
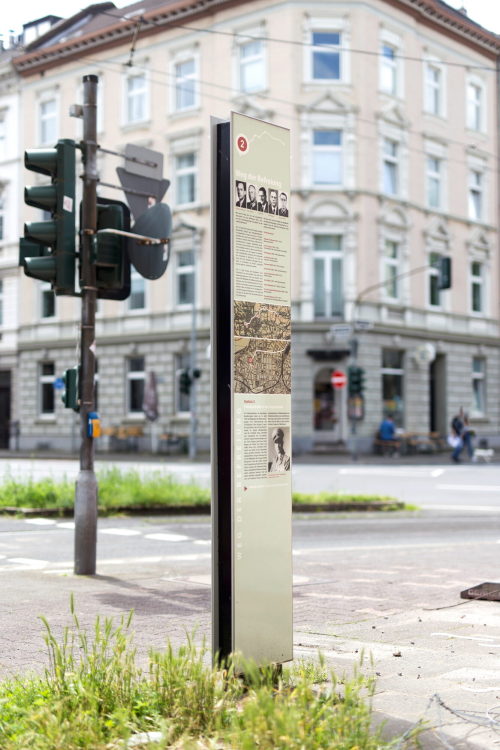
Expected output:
(419, 648)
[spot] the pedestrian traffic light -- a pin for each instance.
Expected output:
(71, 393)
(444, 272)
(111, 256)
(356, 380)
(48, 249)
(185, 382)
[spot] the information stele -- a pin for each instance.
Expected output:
(258, 188)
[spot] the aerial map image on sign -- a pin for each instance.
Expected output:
(256, 320)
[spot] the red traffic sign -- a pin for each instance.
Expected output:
(339, 379)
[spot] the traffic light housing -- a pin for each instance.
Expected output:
(356, 380)
(48, 249)
(185, 382)
(71, 394)
(111, 255)
(444, 272)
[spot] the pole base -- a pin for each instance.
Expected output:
(85, 523)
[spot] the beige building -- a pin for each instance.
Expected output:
(391, 106)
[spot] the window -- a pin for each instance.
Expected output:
(327, 157)
(327, 259)
(136, 98)
(3, 137)
(137, 299)
(390, 167)
(475, 195)
(46, 385)
(252, 72)
(185, 277)
(48, 121)
(185, 84)
(433, 96)
(477, 286)
(182, 400)
(1, 302)
(392, 385)
(391, 269)
(326, 56)
(475, 106)
(47, 301)
(135, 390)
(185, 178)
(434, 182)
(478, 386)
(434, 291)
(389, 69)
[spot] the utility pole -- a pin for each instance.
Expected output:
(192, 363)
(86, 484)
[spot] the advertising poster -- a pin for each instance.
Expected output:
(261, 389)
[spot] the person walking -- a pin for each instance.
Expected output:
(467, 435)
(456, 437)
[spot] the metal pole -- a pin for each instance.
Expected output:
(192, 432)
(86, 484)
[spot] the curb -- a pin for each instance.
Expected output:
(198, 510)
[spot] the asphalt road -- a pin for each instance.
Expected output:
(443, 486)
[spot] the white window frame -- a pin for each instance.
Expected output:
(43, 382)
(394, 67)
(134, 375)
(432, 278)
(46, 139)
(180, 173)
(242, 39)
(333, 150)
(181, 57)
(477, 281)
(434, 92)
(393, 161)
(475, 107)
(476, 194)
(128, 121)
(327, 26)
(326, 256)
(479, 386)
(391, 269)
(45, 288)
(184, 270)
(137, 280)
(434, 181)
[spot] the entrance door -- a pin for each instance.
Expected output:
(327, 407)
(4, 408)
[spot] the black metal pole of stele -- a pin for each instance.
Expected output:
(86, 484)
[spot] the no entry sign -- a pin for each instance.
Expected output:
(339, 379)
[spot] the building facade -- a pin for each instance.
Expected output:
(392, 108)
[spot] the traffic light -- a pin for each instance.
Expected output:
(444, 272)
(47, 250)
(185, 382)
(71, 393)
(356, 380)
(111, 256)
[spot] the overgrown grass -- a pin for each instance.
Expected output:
(130, 489)
(94, 696)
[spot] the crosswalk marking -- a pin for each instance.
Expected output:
(120, 532)
(162, 537)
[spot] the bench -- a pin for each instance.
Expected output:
(385, 447)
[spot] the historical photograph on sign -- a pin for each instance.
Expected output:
(279, 451)
(262, 366)
(257, 320)
(241, 194)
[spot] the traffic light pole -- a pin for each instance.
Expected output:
(86, 484)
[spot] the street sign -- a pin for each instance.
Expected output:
(363, 325)
(58, 384)
(339, 379)
(341, 331)
(151, 260)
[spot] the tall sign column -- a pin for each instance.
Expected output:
(251, 440)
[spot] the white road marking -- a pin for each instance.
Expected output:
(477, 638)
(40, 521)
(382, 471)
(120, 532)
(437, 472)
(24, 563)
(66, 525)
(162, 537)
(206, 542)
(468, 508)
(317, 595)
(470, 487)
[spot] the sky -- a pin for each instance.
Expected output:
(485, 12)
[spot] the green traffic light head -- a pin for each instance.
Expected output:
(41, 268)
(42, 160)
(41, 196)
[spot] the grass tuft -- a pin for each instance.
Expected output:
(94, 696)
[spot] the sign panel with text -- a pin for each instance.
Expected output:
(260, 390)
